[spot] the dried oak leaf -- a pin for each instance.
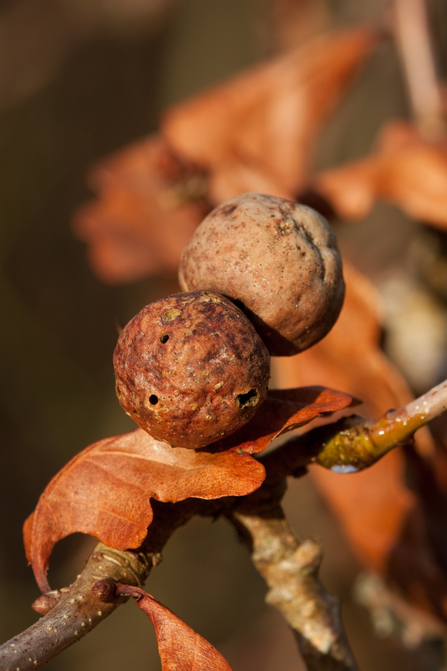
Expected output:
(256, 132)
(179, 646)
(405, 169)
(106, 489)
(150, 202)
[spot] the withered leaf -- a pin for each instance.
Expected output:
(284, 410)
(179, 646)
(256, 132)
(405, 169)
(105, 491)
(150, 202)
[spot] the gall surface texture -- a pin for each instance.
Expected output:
(278, 261)
(190, 368)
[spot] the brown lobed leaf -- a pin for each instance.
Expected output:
(150, 202)
(106, 489)
(179, 646)
(405, 169)
(256, 132)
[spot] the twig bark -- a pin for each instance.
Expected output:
(414, 41)
(290, 569)
(76, 610)
(353, 443)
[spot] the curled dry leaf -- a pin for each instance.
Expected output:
(179, 646)
(106, 489)
(149, 205)
(405, 169)
(386, 521)
(256, 132)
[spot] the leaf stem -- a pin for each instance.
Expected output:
(360, 443)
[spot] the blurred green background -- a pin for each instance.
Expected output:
(78, 80)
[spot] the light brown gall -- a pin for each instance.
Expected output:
(190, 368)
(277, 260)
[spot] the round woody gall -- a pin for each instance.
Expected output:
(190, 368)
(277, 260)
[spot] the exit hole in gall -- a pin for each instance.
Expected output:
(249, 399)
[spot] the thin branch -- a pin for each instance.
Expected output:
(353, 444)
(76, 610)
(72, 612)
(414, 41)
(290, 569)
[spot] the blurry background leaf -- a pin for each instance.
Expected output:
(150, 203)
(381, 513)
(405, 169)
(256, 132)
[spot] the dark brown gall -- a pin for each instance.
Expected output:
(278, 261)
(190, 369)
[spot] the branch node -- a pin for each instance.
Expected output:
(105, 591)
(46, 602)
(309, 555)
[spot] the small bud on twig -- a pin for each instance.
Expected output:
(105, 590)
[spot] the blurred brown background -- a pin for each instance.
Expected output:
(79, 79)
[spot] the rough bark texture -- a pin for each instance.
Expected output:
(290, 569)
